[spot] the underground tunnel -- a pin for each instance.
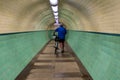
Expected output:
(93, 34)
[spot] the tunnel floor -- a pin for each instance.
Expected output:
(47, 66)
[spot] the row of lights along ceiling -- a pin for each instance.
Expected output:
(54, 6)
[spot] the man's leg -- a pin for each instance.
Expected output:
(61, 42)
(63, 47)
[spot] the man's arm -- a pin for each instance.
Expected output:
(56, 30)
(65, 31)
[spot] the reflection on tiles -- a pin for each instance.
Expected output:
(68, 74)
(49, 67)
(43, 67)
(41, 71)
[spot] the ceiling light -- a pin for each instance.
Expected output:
(55, 16)
(54, 8)
(55, 13)
(56, 21)
(53, 2)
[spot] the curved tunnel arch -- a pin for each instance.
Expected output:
(74, 19)
(37, 15)
(81, 15)
(93, 29)
(87, 15)
(94, 13)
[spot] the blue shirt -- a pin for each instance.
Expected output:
(61, 32)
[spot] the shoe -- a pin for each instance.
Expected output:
(57, 55)
(62, 51)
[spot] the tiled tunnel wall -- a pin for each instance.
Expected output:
(17, 50)
(79, 15)
(99, 53)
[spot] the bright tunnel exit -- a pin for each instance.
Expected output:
(93, 33)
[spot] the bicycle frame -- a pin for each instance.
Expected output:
(56, 39)
(56, 48)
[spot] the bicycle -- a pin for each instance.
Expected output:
(56, 48)
(56, 45)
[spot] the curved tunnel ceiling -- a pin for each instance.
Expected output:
(83, 15)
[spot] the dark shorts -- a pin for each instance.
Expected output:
(62, 40)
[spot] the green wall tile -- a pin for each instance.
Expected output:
(99, 53)
(17, 50)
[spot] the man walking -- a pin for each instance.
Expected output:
(61, 36)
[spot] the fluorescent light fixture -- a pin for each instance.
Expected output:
(53, 2)
(57, 21)
(54, 8)
(55, 16)
(55, 13)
